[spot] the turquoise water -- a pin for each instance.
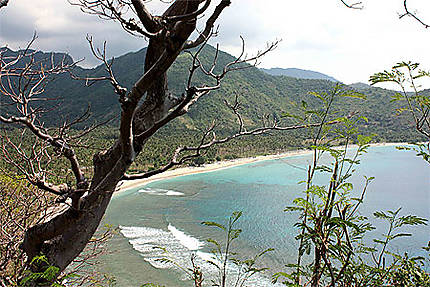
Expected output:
(168, 213)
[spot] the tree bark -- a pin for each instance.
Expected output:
(3, 3)
(316, 273)
(62, 238)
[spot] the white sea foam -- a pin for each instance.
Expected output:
(189, 242)
(175, 193)
(156, 245)
(160, 191)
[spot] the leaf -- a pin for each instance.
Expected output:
(236, 215)
(213, 264)
(364, 140)
(411, 220)
(235, 233)
(214, 242)
(317, 96)
(381, 215)
(304, 105)
(400, 235)
(214, 224)
(323, 168)
(164, 260)
(378, 241)
(292, 209)
(277, 275)
(354, 94)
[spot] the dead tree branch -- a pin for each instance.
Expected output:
(3, 3)
(356, 5)
(152, 24)
(187, 153)
(22, 84)
(20, 207)
(412, 15)
(144, 108)
(406, 11)
(120, 10)
(210, 24)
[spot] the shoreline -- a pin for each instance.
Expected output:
(188, 170)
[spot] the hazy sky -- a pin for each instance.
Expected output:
(324, 36)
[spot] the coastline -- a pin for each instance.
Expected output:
(181, 171)
(147, 215)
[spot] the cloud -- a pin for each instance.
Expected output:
(61, 27)
(12, 30)
(320, 35)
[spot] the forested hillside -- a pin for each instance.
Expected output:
(298, 73)
(259, 93)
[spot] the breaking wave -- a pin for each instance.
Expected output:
(173, 248)
(160, 191)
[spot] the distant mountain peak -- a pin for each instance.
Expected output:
(298, 73)
(360, 86)
(58, 57)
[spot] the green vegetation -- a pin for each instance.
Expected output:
(333, 232)
(49, 273)
(223, 254)
(20, 207)
(223, 258)
(299, 73)
(330, 224)
(331, 229)
(261, 97)
(415, 104)
(259, 94)
(334, 248)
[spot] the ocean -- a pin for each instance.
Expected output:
(163, 219)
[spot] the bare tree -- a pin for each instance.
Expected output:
(355, 5)
(406, 11)
(20, 208)
(3, 3)
(146, 108)
(413, 15)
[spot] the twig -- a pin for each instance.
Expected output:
(413, 15)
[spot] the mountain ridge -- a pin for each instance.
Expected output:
(299, 73)
(260, 94)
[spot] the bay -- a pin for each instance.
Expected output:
(168, 214)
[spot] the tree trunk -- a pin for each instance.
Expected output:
(316, 274)
(64, 237)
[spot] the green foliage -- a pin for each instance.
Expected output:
(330, 222)
(223, 254)
(409, 272)
(260, 94)
(333, 232)
(289, 99)
(331, 227)
(416, 103)
(223, 257)
(421, 149)
(16, 215)
(200, 160)
(49, 273)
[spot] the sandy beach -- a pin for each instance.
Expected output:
(125, 185)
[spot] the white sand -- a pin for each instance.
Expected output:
(125, 185)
